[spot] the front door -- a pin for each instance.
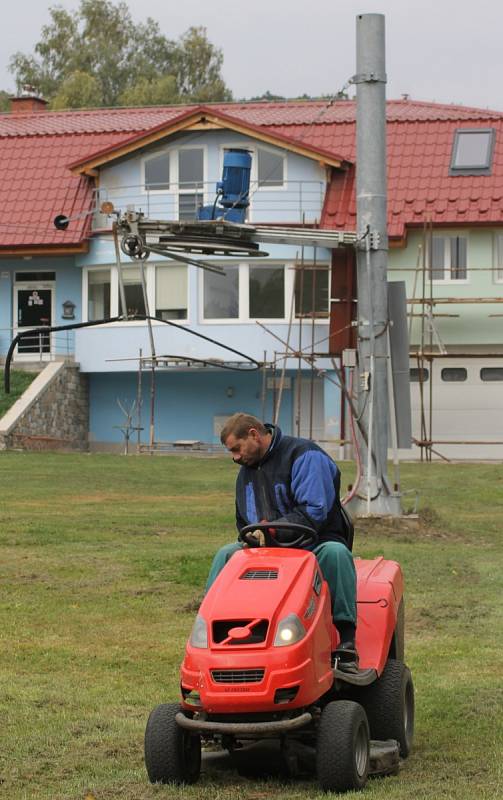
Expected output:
(33, 306)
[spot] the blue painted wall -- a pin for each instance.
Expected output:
(6, 278)
(186, 403)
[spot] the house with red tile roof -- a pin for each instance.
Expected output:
(445, 227)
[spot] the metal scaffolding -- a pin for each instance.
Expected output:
(431, 346)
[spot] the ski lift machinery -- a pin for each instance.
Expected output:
(220, 228)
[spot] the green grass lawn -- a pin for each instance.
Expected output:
(19, 382)
(103, 559)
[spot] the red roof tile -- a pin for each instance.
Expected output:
(36, 149)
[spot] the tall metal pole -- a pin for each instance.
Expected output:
(376, 496)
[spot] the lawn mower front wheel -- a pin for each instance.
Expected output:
(172, 754)
(343, 747)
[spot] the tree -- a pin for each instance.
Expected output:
(269, 97)
(198, 65)
(156, 92)
(99, 55)
(4, 100)
(79, 90)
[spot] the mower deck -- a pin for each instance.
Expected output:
(384, 757)
(265, 758)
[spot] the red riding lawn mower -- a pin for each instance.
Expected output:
(258, 667)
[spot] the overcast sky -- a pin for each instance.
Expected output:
(448, 51)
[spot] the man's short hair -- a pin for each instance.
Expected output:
(239, 425)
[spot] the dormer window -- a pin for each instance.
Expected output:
(472, 151)
(270, 168)
(190, 182)
(157, 173)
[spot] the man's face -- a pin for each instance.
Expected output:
(246, 451)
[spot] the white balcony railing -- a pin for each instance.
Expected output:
(294, 202)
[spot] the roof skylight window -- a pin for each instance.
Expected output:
(472, 151)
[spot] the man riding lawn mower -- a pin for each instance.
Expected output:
(273, 653)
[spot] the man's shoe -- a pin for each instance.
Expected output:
(345, 658)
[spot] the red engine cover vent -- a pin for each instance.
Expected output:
(237, 675)
(260, 575)
(239, 631)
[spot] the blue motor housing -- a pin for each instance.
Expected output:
(235, 184)
(233, 190)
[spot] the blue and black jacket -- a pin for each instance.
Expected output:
(296, 481)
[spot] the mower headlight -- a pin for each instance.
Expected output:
(289, 631)
(199, 635)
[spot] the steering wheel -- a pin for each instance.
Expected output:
(307, 536)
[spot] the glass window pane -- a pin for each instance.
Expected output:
(134, 299)
(416, 374)
(311, 292)
(221, 294)
(267, 292)
(458, 258)
(454, 374)
(157, 172)
(491, 374)
(473, 149)
(188, 205)
(35, 277)
(98, 294)
(171, 292)
(133, 291)
(190, 168)
(270, 168)
(438, 257)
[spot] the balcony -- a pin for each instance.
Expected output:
(295, 202)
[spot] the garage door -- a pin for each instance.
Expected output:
(467, 402)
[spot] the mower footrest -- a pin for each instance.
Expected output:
(384, 757)
(361, 678)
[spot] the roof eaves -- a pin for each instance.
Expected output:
(43, 249)
(206, 117)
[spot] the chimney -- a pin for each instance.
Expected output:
(28, 101)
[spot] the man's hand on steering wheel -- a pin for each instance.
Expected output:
(251, 535)
(255, 539)
(258, 538)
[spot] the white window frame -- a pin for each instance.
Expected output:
(150, 268)
(448, 235)
(498, 257)
(167, 152)
(204, 188)
(174, 190)
(85, 288)
(152, 295)
(244, 294)
(320, 266)
(254, 176)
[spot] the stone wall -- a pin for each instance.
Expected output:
(52, 414)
